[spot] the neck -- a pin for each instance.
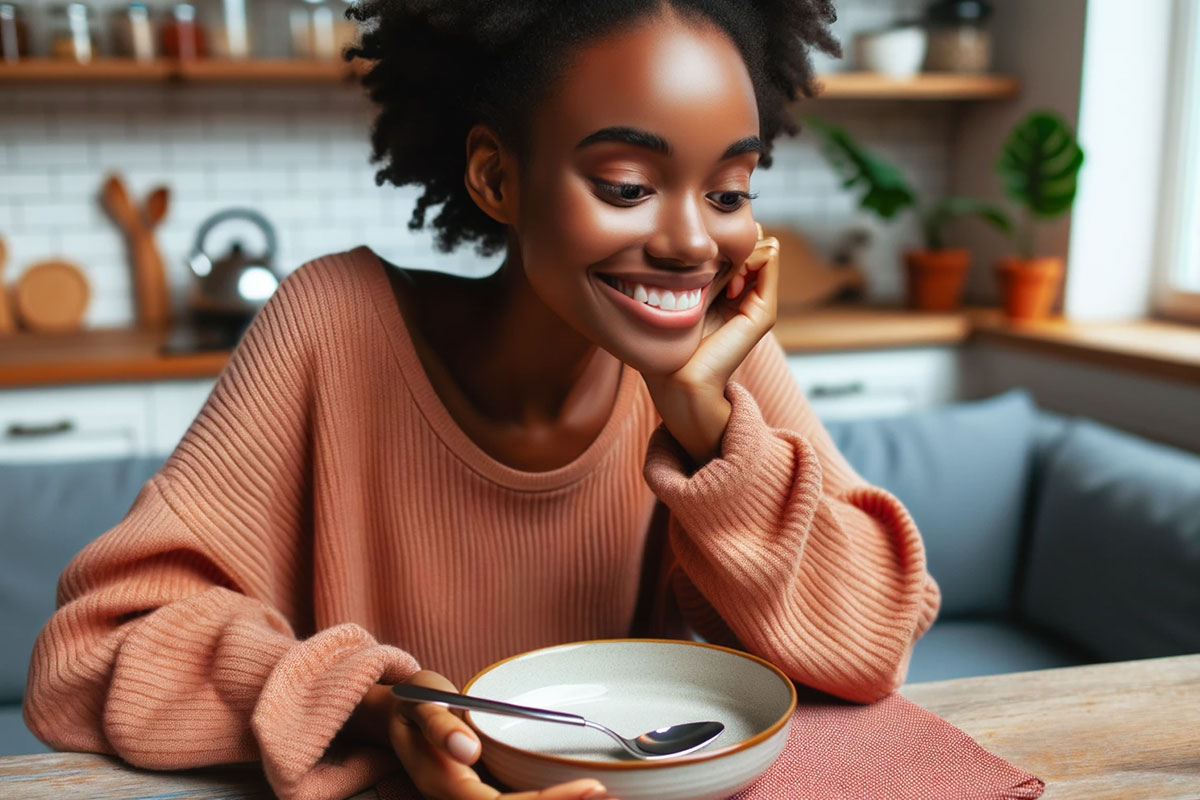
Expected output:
(525, 365)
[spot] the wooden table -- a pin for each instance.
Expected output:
(1128, 730)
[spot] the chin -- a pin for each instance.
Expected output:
(659, 359)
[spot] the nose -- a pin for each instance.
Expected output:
(681, 234)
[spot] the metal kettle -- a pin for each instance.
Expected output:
(238, 283)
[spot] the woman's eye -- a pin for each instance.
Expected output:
(627, 193)
(731, 200)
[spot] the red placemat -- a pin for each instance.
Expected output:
(837, 750)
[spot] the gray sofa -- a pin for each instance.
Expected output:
(1055, 540)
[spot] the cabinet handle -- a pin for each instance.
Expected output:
(837, 390)
(16, 430)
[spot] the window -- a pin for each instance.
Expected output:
(1178, 281)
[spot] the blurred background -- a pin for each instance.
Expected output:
(991, 245)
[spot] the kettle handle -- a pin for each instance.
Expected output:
(236, 213)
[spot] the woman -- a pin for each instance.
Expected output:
(406, 476)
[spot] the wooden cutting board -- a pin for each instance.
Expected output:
(51, 296)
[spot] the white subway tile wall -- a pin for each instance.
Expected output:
(300, 155)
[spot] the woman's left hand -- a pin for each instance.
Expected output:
(691, 400)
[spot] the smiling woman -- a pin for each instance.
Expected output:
(401, 469)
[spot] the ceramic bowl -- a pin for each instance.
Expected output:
(634, 686)
(897, 53)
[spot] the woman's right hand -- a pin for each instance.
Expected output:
(438, 748)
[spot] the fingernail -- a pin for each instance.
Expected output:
(461, 746)
(599, 791)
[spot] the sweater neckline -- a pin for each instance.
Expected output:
(443, 424)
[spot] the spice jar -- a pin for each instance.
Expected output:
(228, 29)
(132, 35)
(959, 36)
(182, 37)
(14, 33)
(313, 33)
(73, 33)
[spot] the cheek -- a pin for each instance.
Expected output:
(569, 225)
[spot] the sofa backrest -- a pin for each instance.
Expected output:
(963, 471)
(48, 512)
(1114, 558)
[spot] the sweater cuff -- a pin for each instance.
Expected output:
(749, 480)
(308, 698)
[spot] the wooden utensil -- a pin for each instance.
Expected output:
(51, 297)
(149, 278)
(7, 323)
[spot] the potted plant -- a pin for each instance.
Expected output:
(1039, 164)
(934, 273)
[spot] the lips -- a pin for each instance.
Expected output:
(653, 316)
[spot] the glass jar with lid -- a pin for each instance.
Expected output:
(73, 33)
(131, 32)
(14, 33)
(227, 25)
(959, 36)
(182, 36)
(312, 26)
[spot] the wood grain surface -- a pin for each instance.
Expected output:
(1128, 730)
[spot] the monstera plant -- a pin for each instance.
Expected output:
(934, 273)
(1039, 165)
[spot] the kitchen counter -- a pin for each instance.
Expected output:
(1163, 349)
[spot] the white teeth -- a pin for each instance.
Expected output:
(657, 297)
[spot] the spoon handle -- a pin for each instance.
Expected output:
(422, 694)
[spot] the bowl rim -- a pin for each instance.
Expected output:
(710, 755)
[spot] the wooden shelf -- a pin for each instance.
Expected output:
(838, 85)
(98, 355)
(926, 86)
(44, 71)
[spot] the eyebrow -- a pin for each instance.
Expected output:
(657, 144)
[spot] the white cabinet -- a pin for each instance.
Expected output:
(76, 422)
(871, 383)
(100, 421)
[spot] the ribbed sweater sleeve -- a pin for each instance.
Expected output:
(783, 550)
(174, 643)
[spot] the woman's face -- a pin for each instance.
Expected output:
(641, 160)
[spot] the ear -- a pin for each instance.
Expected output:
(491, 177)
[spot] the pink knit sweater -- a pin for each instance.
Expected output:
(324, 525)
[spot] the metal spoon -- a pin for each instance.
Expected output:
(673, 740)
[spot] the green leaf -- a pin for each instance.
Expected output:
(1039, 164)
(952, 207)
(886, 190)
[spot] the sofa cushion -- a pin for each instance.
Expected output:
(15, 738)
(48, 512)
(961, 470)
(1115, 549)
(964, 648)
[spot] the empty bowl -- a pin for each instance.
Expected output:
(634, 686)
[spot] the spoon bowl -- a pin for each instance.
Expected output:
(666, 742)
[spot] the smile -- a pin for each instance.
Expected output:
(656, 296)
(656, 306)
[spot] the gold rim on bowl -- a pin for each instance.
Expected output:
(771, 730)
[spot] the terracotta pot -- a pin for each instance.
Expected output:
(1029, 287)
(935, 278)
